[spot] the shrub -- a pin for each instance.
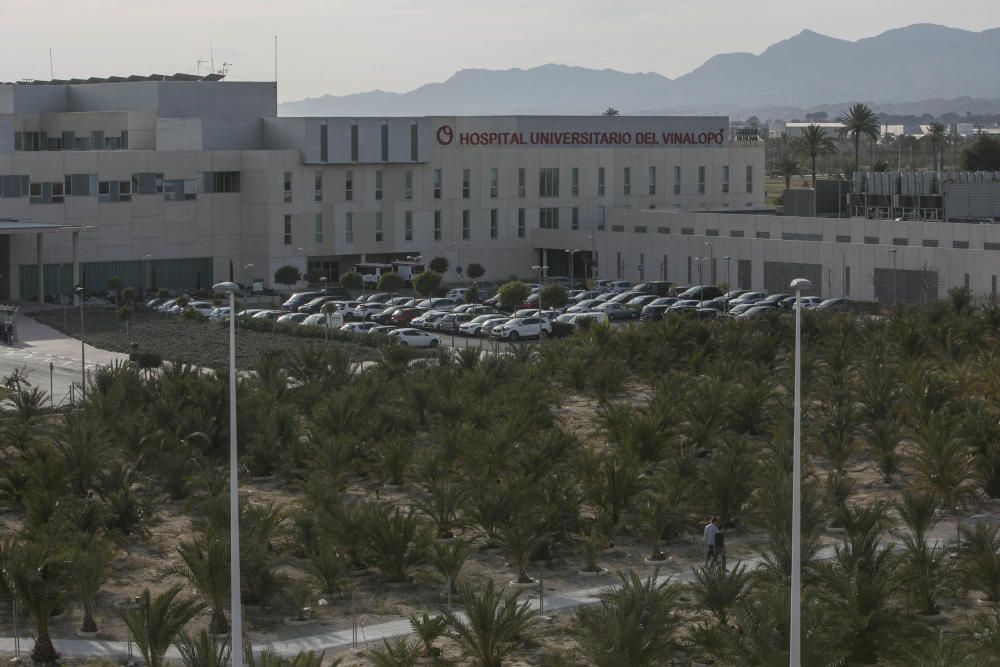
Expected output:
(553, 296)
(512, 295)
(391, 282)
(427, 283)
(287, 275)
(475, 271)
(351, 280)
(438, 265)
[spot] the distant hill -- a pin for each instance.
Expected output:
(918, 62)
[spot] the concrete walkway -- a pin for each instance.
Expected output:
(50, 358)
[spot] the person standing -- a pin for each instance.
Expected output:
(711, 533)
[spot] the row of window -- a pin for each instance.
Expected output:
(548, 218)
(840, 238)
(548, 183)
(324, 142)
(146, 183)
(96, 140)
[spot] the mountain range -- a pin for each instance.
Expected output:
(897, 67)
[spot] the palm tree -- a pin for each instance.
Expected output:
(937, 138)
(979, 560)
(90, 565)
(611, 111)
(632, 624)
(814, 142)
(717, 590)
(398, 542)
(400, 652)
(158, 621)
(492, 626)
(925, 569)
(521, 536)
(859, 120)
(206, 561)
(788, 166)
(449, 558)
(203, 650)
(38, 573)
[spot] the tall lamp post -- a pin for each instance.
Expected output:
(593, 254)
(795, 648)
(541, 277)
(326, 291)
(711, 262)
(83, 348)
(143, 269)
(234, 500)
(572, 257)
(892, 254)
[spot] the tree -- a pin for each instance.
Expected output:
(611, 111)
(351, 280)
(492, 626)
(512, 295)
(471, 294)
(717, 590)
(475, 271)
(937, 138)
(983, 154)
(815, 143)
(631, 624)
(90, 565)
(158, 621)
(553, 295)
(38, 573)
(203, 650)
(788, 166)
(390, 282)
(438, 265)
(859, 120)
(287, 275)
(427, 283)
(206, 561)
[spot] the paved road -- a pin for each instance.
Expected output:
(47, 355)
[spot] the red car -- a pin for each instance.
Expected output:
(530, 302)
(404, 316)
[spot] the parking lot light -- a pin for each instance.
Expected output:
(795, 638)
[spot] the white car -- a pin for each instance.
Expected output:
(474, 326)
(415, 337)
(596, 317)
(451, 322)
(319, 320)
(269, 314)
(428, 319)
(292, 318)
(358, 327)
(203, 308)
(365, 310)
(523, 327)
(438, 304)
(219, 314)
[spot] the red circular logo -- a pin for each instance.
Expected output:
(445, 135)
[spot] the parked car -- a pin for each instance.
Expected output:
(734, 294)
(653, 313)
(403, 316)
(583, 296)
(747, 297)
(381, 329)
(584, 306)
(737, 310)
(683, 305)
(219, 314)
(808, 302)
(376, 297)
(428, 319)
(701, 292)
(626, 296)
(594, 317)
(657, 287)
(523, 327)
(619, 286)
(836, 305)
(401, 301)
(773, 300)
(166, 305)
(474, 326)
(357, 327)
(415, 337)
(268, 314)
(487, 327)
(756, 311)
(365, 310)
(640, 301)
(617, 311)
(300, 299)
(203, 308)
(438, 304)
(293, 318)
(449, 323)
(320, 319)
(153, 303)
(383, 316)
(707, 313)
(663, 301)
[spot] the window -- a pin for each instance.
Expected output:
(961, 245)
(466, 183)
(749, 178)
(69, 140)
(548, 182)
(932, 243)
(385, 141)
(763, 235)
(677, 180)
(378, 184)
(847, 279)
(180, 189)
(414, 143)
(378, 227)
(220, 181)
(324, 143)
(113, 191)
(437, 184)
(466, 225)
(871, 240)
(318, 228)
(800, 236)
(46, 192)
(986, 245)
(494, 224)
(318, 186)
(494, 182)
(520, 223)
(288, 230)
(898, 240)
(77, 185)
(662, 230)
(408, 184)
(652, 180)
(82, 144)
(408, 226)
(575, 182)
(349, 228)
(725, 179)
(701, 180)
(354, 141)
(843, 238)
(521, 178)
(628, 180)
(640, 229)
(437, 225)
(711, 232)
(110, 143)
(689, 269)
(349, 185)
(288, 187)
(548, 218)
(600, 181)
(96, 139)
(148, 183)
(736, 233)
(575, 219)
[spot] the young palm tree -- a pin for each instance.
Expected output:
(444, 505)
(521, 536)
(729, 477)
(448, 561)
(788, 166)
(979, 560)
(400, 652)
(859, 121)
(611, 111)
(206, 561)
(158, 621)
(81, 441)
(925, 568)
(492, 626)
(718, 591)
(942, 460)
(398, 542)
(203, 650)
(815, 143)
(937, 138)
(38, 573)
(429, 629)
(90, 565)
(632, 624)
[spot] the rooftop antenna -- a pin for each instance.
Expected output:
(224, 70)
(275, 59)
(211, 56)
(200, 63)
(52, 75)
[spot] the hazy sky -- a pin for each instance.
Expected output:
(346, 46)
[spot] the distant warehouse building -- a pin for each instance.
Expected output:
(182, 181)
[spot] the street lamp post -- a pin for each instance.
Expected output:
(83, 348)
(728, 265)
(593, 253)
(326, 293)
(143, 269)
(711, 262)
(795, 648)
(572, 257)
(892, 254)
(234, 501)
(541, 277)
